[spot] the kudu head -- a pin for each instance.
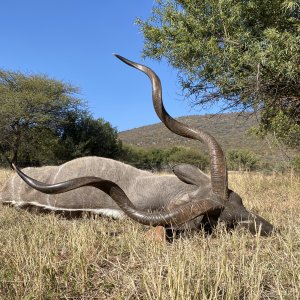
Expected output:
(215, 201)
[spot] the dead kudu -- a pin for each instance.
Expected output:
(189, 198)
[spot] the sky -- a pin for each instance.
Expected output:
(73, 41)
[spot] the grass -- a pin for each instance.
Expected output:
(4, 175)
(47, 257)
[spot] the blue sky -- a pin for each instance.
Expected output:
(73, 41)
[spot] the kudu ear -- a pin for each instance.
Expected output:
(190, 174)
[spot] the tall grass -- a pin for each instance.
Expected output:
(47, 257)
(4, 175)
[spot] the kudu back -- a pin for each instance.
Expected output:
(189, 198)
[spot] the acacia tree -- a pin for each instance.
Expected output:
(31, 105)
(244, 53)
(83, 135)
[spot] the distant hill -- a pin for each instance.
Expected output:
(231, 130)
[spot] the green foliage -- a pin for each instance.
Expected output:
(43, 122)
(157, 159)
(149, 159)
(131, 155)
(84, 136)
(244, 53)
(284, 129)
(296, 163)
(188, 156)
(40, 148)
(31, 105)
(154, 159)
(241, 160)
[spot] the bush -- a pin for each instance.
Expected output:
(85, 136)
(242, 160)
(188, 156)
(296, 163)
(158, 159)
(148, 159)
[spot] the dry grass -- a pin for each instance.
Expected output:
(4, 174)
(45, 257)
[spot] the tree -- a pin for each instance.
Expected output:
(243, 53)
(157, 159)
(84, 136)
(241, 160)
(148, 159)
(40, 148)
(154, 159)
(189, 156)
(33, 109)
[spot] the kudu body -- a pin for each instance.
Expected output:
(112, 188)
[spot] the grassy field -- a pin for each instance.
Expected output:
(46, 257)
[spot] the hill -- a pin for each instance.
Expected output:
(231, 130)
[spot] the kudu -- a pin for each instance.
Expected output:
(112, 188)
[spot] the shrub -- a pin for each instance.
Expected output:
(188, 156)
(157, 159)
(241, 160)
(296, 163)
(150, 159)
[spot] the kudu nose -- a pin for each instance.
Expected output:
(257, 225)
